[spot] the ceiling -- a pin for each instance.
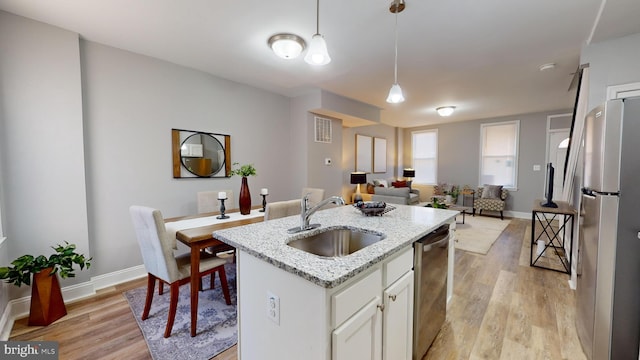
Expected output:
(481, 56)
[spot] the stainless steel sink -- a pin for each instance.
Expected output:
(334, 242)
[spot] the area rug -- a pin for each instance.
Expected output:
(217, 322)
(478, 233)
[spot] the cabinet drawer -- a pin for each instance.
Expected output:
(397, 267)
(350, 300)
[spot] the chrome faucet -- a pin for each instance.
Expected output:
(306, 212)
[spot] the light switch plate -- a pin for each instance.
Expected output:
(327, 161)
(536, 167)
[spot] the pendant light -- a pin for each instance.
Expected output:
(395, 94)
(317, 53)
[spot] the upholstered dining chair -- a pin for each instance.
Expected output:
(280, 209)
(208, 201)
(162, 265)
(316, 195)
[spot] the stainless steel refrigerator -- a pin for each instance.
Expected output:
(608, 285)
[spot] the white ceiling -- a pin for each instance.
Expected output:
(481, 56)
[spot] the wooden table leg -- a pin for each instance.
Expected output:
(195, 283)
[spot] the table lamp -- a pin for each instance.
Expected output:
(358, 178)
(408, 174)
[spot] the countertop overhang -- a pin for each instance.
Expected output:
(268, 240)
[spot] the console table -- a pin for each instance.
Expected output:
(554, 237)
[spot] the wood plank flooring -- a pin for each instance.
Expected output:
(502, 309)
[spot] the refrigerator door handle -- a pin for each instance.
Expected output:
(587, 191)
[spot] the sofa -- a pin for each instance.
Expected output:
(393, 195)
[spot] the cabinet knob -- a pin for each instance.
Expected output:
(392, 297)
(381, 307)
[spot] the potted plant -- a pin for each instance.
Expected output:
(245, 196)
(453, 193)
(47, 304)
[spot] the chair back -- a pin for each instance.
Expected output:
(316, 195)
(280, 209)
(208, 201)
(154, 243)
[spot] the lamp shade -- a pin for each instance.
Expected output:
(317, 53)
(358, 178)
(409, 173)
(395, 94)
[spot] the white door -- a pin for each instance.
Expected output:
(360, 337)
(397, 322)
(557, 152)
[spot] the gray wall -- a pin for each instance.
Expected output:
(42, 139)
(349, 156)
(131, 102)
(459, 159)
(613, 62)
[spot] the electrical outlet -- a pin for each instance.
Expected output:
(536, 167)
(273, 307)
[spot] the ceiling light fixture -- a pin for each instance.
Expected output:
(445, 110)
(317, 53)
(395, 94)
(548, 66)
(286, 46)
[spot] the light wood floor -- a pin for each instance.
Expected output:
(501, 309)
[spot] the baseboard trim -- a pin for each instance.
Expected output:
(19, 308)
(518, 214)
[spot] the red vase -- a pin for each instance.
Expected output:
(245, 197)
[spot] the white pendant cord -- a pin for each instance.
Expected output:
(317, 17)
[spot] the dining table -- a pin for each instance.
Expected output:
(196, 232)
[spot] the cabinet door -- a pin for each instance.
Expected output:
(397, 323)
(359, 336)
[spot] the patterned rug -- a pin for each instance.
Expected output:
(478, 233)
(217, 322)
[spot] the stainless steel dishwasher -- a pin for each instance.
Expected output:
(430, 292)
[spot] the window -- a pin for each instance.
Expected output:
(425, 156)
(499, 154)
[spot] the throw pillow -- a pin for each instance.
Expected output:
(380, 182)
(399, 184)
(370, 188)
(492, 191)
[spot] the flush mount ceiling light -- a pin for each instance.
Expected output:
(445, 110)
(395, 94)
(317, 53)
(548, 66)
(286, 46)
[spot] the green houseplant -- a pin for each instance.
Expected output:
(47, 304)
(245, 195)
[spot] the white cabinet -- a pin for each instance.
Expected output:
(356, 320)
(372, 323)
(358, 337)
(398, 319)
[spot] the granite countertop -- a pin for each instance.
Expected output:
(268, 240)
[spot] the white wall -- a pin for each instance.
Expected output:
(42, 139)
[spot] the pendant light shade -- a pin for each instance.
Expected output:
(395, 94)
(317, 53)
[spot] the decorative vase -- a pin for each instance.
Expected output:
(245, 197)
(448, 199)
(47, 304)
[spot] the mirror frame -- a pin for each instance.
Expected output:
(179, 172)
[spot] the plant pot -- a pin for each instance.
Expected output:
(245, 197)
(47, 304)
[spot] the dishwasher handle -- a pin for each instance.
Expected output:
(436, 238)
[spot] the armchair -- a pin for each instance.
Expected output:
(492, 198)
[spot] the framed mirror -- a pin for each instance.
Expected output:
(198, 154)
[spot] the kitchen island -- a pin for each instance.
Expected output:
(293, 304)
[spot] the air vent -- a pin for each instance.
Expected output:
(323, 130)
